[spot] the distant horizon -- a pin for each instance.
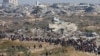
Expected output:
(32, 2)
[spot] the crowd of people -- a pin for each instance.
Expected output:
(79, 44)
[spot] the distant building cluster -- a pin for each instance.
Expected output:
(9, 3)
(11, 8)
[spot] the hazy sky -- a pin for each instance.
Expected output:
(54, 1)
